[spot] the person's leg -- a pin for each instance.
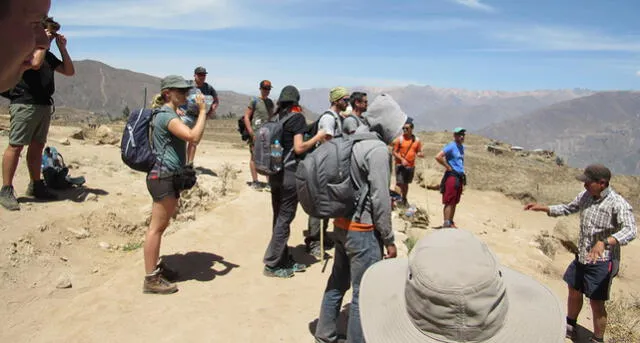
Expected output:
(191, 152)
(161, 213)
(574, 303)
(10, 163)
(34, 160)
(574, 277)
(599, 311)
(337, 286)
(449, 201)
(277, 253)
(363, 251)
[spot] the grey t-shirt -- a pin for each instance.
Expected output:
(171, 151)
(328, 123)
(350, 124)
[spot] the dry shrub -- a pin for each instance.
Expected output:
(623, 319)
(546, 244)
(227, 175)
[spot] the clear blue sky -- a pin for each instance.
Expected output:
(473, 44)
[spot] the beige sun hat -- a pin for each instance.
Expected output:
(452, 289)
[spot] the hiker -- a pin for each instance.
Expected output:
(31, 109)
(452, 288)
(330, 122)
(284, 201)
(357, 246)
(606, 223)
(170, 136)
(259, 111)
(21, 33)
(405, 150)
(353, 119)
(454, 178)
(199, 78)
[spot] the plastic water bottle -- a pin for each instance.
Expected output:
(411, 211)
(276, 156)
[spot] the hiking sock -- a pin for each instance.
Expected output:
(572, 322)
(153, 273)
(447, 223)
(596, 339)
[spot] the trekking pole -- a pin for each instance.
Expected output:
(322, 246)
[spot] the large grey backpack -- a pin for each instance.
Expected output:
(266, 135)
(324, 183)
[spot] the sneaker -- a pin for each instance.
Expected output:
(156, 284)
(256, 185)
(166, 272)
(281, 272)
(295, 266)
(8, 198)
(39, 190)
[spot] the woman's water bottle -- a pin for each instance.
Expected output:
(276, 156)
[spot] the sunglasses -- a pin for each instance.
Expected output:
(346, 100)
(201, 74)
(266, 88)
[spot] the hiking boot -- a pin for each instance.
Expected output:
(255, 185)
(281, 272)
(156, 284)
(166, 272)
(39, 190)
(8, 198)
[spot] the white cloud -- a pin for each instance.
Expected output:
(476, 5)
(162, 14)
(638, 73)
(557, 38)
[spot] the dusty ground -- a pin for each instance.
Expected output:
(91, 239)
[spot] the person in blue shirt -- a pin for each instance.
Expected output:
(452, 159)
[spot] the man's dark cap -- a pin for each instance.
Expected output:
(595, 172)
(200, 70)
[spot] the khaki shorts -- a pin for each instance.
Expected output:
(29, 123)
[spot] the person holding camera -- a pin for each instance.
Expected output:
(169, 176)
(31, 109)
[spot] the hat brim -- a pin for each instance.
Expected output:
(583, 178)
(534, 312)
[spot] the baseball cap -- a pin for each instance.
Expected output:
(174, 81)
(200, 70)
(266, 84)
(459, 130)
(595, 172)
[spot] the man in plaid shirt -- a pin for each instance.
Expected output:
(606, 223)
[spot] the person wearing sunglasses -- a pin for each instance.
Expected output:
(405, 150)
(259, 111)
(329, 122)
(452, 159)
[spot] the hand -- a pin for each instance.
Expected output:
(61, 41)
(533, 207)
(200, 102)
(596, 252)
(404, 162)
(392, 252)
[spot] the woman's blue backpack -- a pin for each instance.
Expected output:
(136, 147)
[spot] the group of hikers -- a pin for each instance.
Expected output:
(450, 289)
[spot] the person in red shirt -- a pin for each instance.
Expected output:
(405, 150)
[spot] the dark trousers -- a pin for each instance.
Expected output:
(284, 202)
(355, 252)
(313, 234)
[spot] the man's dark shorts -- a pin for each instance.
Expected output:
(161, 188)
(593, 279)
(404, 175)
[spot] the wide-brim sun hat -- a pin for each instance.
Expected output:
(174, 81)
(452, 289)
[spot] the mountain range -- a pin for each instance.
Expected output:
(581, 125)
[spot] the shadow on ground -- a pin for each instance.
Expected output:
(343, 320)
(75, 194)
(198, 265)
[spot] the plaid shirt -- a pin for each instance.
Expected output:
(610, 215)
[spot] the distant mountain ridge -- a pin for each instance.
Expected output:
(444, 108)
(603, 127)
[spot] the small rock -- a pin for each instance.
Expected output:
(104, 245)
(43, 228)
(95, 270)
(64, 258)
(504, 230)
(78, 135)
(79, 233)
(65, 142)
(64, 281)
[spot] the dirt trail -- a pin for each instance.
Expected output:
(223, 296)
